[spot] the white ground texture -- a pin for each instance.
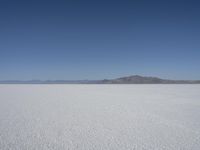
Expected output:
(99, 117)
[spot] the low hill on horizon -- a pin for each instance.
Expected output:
(134, 79)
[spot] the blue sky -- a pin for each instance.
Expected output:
(99, 39)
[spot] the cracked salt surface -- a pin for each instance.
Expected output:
(100, 117)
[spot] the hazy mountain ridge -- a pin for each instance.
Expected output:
(134, 79)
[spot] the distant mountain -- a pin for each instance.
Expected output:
(134, 79)
(48, 82)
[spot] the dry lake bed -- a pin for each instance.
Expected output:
(99, 117)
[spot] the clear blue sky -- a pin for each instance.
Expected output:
(89, 39)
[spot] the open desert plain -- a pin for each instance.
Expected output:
(99, 117)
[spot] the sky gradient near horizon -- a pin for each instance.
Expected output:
(99, 39)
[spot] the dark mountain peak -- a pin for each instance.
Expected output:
(137, 79)
(132, 77)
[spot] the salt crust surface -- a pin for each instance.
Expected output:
(100, 117)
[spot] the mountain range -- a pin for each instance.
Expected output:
(134, 79)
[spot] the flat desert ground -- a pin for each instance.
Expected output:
(99, 117)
